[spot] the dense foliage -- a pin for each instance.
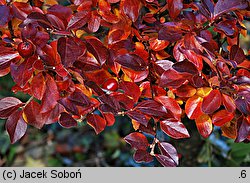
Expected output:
(156, 61)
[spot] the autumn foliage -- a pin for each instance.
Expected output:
(155, 61)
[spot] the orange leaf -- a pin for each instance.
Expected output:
(204, 125)
(193, 107)
(222, 117)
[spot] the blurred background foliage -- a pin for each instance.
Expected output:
(56, 146)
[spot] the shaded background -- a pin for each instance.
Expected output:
(55, 146)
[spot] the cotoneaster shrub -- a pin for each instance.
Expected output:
(156, 61)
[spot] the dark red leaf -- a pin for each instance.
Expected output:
(6, 55)
(94, 23)
(8, 105)
(70, 49)
(224, 6)
(67, 121)
(137, 116)
(131, 89)
(221, 117)
(131, 9)
(61, 12)
(137, 141)
(151, 108)
(237, 54)
(165, 161)
(132, 61)
(171, 105)
(78, 20)
(16, 126)
(174, 128)
(174, 7)
(96, 122)
(21, 10)
(96, 47)
(109, 117)
(212, 102)
(226, 27)
(22, 73)
(206, 8)
(4, 14)
(169, 151)
(51, 95)
(38, 86)
(185, 67)
(170, 32)
(243, 105)
(142, 156)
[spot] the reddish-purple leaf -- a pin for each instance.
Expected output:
(96, 47)
(67, 121)
(172, 78)
(170, 32)
(132, 61)
(174, 128)
(228, 102)
(137, 116)
(16, 126)
(165, 161)
(137, 141)
(185, 67)
(206, 8)
(142, 156)
(51, 95)
(78, 20)
(226, 27)
(131, 9)
(212, 102)
(237, 54)
(4, 14)
(6, 55)
(70, 49)
(61, 12)
(21, 10)
(243, 129)
(151, 108)
(8, 105)
(169, 151)
(96, 122)
(174, 7)
(224, 6)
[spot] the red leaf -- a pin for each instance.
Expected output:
(224, 6)
(51, 95)
(221, 117)
(185, 67)
(165, 161)
(78, 20)
(204, 125)
(38, 86)
(4, 15)
(70, 49)
(16, 126)
(132, 61)
(94, 23)
(131, 9)
(169, 151)
(131, 89)
(206, 8)
(67, 121)
(237, 54)
(139, 117)
(171, 32)
(226, 27)
(96, 47)
(96, 122)
(211, 102)
(151, 108)
(109, 117)
(174, 128)
(171, 105)
(185, 91)
(22, 73)
(193, 107)
(61, 12)
(174, 7)
(137, 141)
(142, 156)
(8, 105)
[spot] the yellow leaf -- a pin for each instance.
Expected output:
(135, 124)
(204, 91)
